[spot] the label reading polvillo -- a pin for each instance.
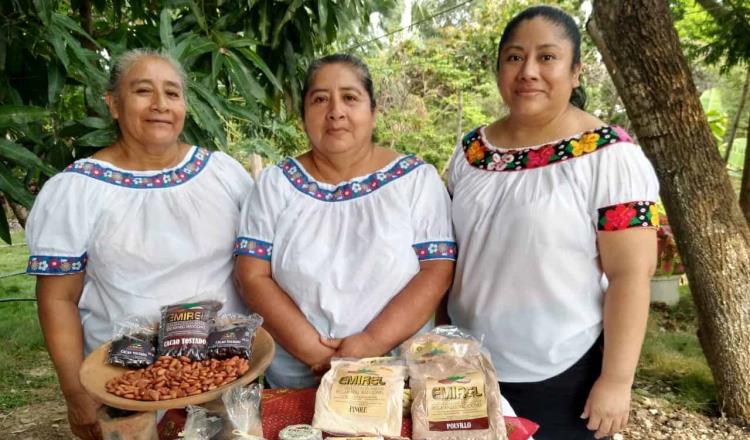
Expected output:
(361, 392)
(457, 403)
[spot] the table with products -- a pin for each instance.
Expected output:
(282, 407)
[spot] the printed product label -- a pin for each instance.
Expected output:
(361, 392)
(457, 403)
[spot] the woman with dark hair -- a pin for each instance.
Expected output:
(554, 216)
(347, 249)
(145, 222)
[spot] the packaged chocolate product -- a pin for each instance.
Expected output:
(232, 335)
(454, 388)
(184, 329)
(133, 343)
(361, 397)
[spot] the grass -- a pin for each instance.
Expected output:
(26, 373)
(672, 364)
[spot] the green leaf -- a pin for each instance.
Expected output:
(260, 64)
(217, 61)
(94, 122)
(165, 29)
(23, 157)
(198, 14)
(21, 114)
(4, 226)
(70, 24)
(44, 10)
(243, 79)
(56, 38)
(97, 138)
(284, 20)
(322, 13)
(265, 23)
(13, 188)
(206, 118)
(55, 81)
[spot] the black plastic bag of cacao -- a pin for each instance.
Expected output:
(133, 343)
(233, 335)
(185, 327)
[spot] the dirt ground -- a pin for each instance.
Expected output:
(652, 419)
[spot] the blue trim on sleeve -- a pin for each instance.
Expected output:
(56, 265)
(436, 250)
(251, 247)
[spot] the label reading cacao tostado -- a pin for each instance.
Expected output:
(184, 329)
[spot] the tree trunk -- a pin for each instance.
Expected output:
(20, 212)
(737, 117)
(745, 187)
(711, 232)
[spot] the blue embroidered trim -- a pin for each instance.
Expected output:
(436, 250)
(51, 265)
(170, 178)
(253, 248)
(349, 190)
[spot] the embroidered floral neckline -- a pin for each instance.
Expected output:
(483, 156)
(348, 190)
(129, 179)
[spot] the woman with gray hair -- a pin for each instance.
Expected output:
(144, 222)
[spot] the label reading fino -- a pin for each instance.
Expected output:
(361, 392)
(457, 403)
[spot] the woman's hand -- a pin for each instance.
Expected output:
(82, 416)
(607, 407)
(358, 345)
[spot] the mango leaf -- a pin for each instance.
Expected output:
(262, 66)
(21, 114)
(290, 10)
(165, 29)
(94, 122)
(198, 14)
(4, 226)
(97, 138)
(44, 9)
(205, 117)
(243, 79)
(23, 157)
(57, 40)
(14, 188)
(55, 81)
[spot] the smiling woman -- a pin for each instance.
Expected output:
(547, 202)
(347, 249)
(145, 222)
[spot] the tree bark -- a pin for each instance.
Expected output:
(20, 212)
(745, 186)
(737, 117)
(710, 229)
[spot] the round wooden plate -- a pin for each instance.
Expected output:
(95, 372)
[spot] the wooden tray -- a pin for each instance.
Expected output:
(95, 372)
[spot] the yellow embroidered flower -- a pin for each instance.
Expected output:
(586, 144)
(475, 153)
(654, 215)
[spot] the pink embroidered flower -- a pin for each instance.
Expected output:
(540, 158)
(619, 217)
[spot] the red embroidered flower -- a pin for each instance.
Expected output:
(540, 158)
(619, 217)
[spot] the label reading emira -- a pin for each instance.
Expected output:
(361, 392)
(457, 402)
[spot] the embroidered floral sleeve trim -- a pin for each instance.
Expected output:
(481, 156)
(436, 250)
(166, 179)
(349, 190)
(628, 215)
(52, 265)
(253, 248)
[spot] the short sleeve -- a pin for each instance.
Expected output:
(624, 189)
(59, 227)
(431, 217)
(260, 213)
(234, 177)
